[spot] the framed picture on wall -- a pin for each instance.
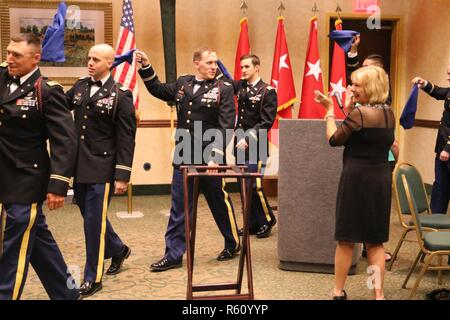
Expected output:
(86, 24)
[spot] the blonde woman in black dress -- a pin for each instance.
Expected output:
(364, 195)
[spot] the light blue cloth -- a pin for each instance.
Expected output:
(391, 156)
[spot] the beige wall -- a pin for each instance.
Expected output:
(423, 50)
(216, 24)
(427, 55)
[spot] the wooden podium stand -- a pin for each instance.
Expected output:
(195, 172)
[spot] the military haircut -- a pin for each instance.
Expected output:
(378, 59)
(30, 38)
(198, 54)
(255, 59)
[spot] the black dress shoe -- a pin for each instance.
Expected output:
(165, 264)
(228, 254)
(341, 297)
(241, 232)
(265, 230)
(117, 261)
(88, 288)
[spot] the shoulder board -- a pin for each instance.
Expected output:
(270, 88)
(123, 89)
(4, 64)
(227, 83)
(53, 83)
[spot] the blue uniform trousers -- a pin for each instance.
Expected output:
(261, 213)
(101, 240)
(440, 193)
(219, 203)
(26, 239)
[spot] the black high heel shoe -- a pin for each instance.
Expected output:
(343, 297)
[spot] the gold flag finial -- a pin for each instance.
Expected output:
(338, 11)
(315, 9)
(281, 8)
(244, 8)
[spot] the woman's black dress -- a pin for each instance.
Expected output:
(363, 203)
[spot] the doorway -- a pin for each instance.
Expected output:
(383, 41)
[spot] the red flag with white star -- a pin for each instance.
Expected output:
(338, 75)
(243, 48)
(282, 80)
(312, 78)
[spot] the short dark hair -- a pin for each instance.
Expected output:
(255, 59)
(30, 39)
(378, 58)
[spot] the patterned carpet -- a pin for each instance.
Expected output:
(145, 236)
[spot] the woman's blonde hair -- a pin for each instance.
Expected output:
(375, 82)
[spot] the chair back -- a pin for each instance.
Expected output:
(416, 187)
(413, 209)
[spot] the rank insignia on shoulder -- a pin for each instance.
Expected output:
(270, 88)
(123, 88)
(227, 83)
(53, 83)
(4, 64)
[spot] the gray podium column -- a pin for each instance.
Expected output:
(308, 179)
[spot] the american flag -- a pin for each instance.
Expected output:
(126, 73)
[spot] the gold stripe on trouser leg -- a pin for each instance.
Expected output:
(2, 227)
(23, 252)
(230, 214)
(101, 250)
(261, 196)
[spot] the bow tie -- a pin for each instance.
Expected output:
(15, 80)
(248, 85)
(95, 83)
(199, 82)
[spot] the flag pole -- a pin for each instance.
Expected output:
(127, 14)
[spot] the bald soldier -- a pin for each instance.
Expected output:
(106, 127)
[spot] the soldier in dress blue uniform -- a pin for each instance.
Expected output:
(440, 193)
(257, 109)
(106, 127)
(32, 111)
(204, 104)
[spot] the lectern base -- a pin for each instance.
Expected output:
(311, 267)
